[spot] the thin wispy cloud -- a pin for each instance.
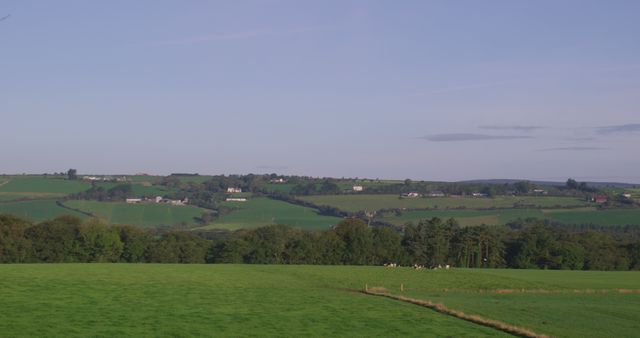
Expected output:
(520, 128)
(619, 129)
(245, 35)
(459, 88)
(576, 148)
(458, 137)
(586, 138)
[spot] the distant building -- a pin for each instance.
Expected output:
(436, 194)
(232, 190)
(600, 199)
(478, 194)
(236, 199)
(626, 195)
(162, 200)
(357, 188)
(540, 191)
(134, 200)
(411, 195)
(278, 180)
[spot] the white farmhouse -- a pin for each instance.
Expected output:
(233, 190)
(358, 188)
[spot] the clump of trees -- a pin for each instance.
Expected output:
(530, 244)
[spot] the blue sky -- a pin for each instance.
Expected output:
(437, 90)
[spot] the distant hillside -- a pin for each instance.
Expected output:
(552, 183)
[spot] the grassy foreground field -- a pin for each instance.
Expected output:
(264, 300)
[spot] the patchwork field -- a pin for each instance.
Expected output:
(37, 187)
(36, 211)
(358, 202)
(264, 211)
(266, 300)
(139, 214)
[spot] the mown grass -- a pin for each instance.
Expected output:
(144, 214)
(359, 202)
(37, 210)
(269, 300)
(264, 211)
(206, 300)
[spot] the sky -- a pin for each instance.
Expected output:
(432, 90)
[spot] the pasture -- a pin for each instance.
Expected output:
(38, 187)
(144, 215)
(268, 300)
(37, 210)
(577, 216)
(264, 211)
(360, 202)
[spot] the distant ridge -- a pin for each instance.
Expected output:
(555, 183)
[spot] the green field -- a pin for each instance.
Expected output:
(464, 217)
(298, 301)
(263, 211)
(359, 202)
(139, 214)
(36, 211)
(608, 217)
(140, 190)
(35, 187)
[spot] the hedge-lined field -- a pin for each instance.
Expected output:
(37, 211)
(264, 211)
(35, 187)
(360, 202)
(144, 214)
(270, 300)
(577, 216)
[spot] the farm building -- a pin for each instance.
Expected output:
(236, 199)
(411, 195)
(478, 194)
(540, 191)
(626, 195)
(357, 188)
(233, 190)
(133, 200)
(162, 200)
(600, 199)
(278, 180)
(436, 194)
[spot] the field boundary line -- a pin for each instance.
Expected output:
(62, 205)
(441, 308)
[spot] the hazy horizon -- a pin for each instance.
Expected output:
(427, 90)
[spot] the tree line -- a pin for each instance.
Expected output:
(431, 243)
